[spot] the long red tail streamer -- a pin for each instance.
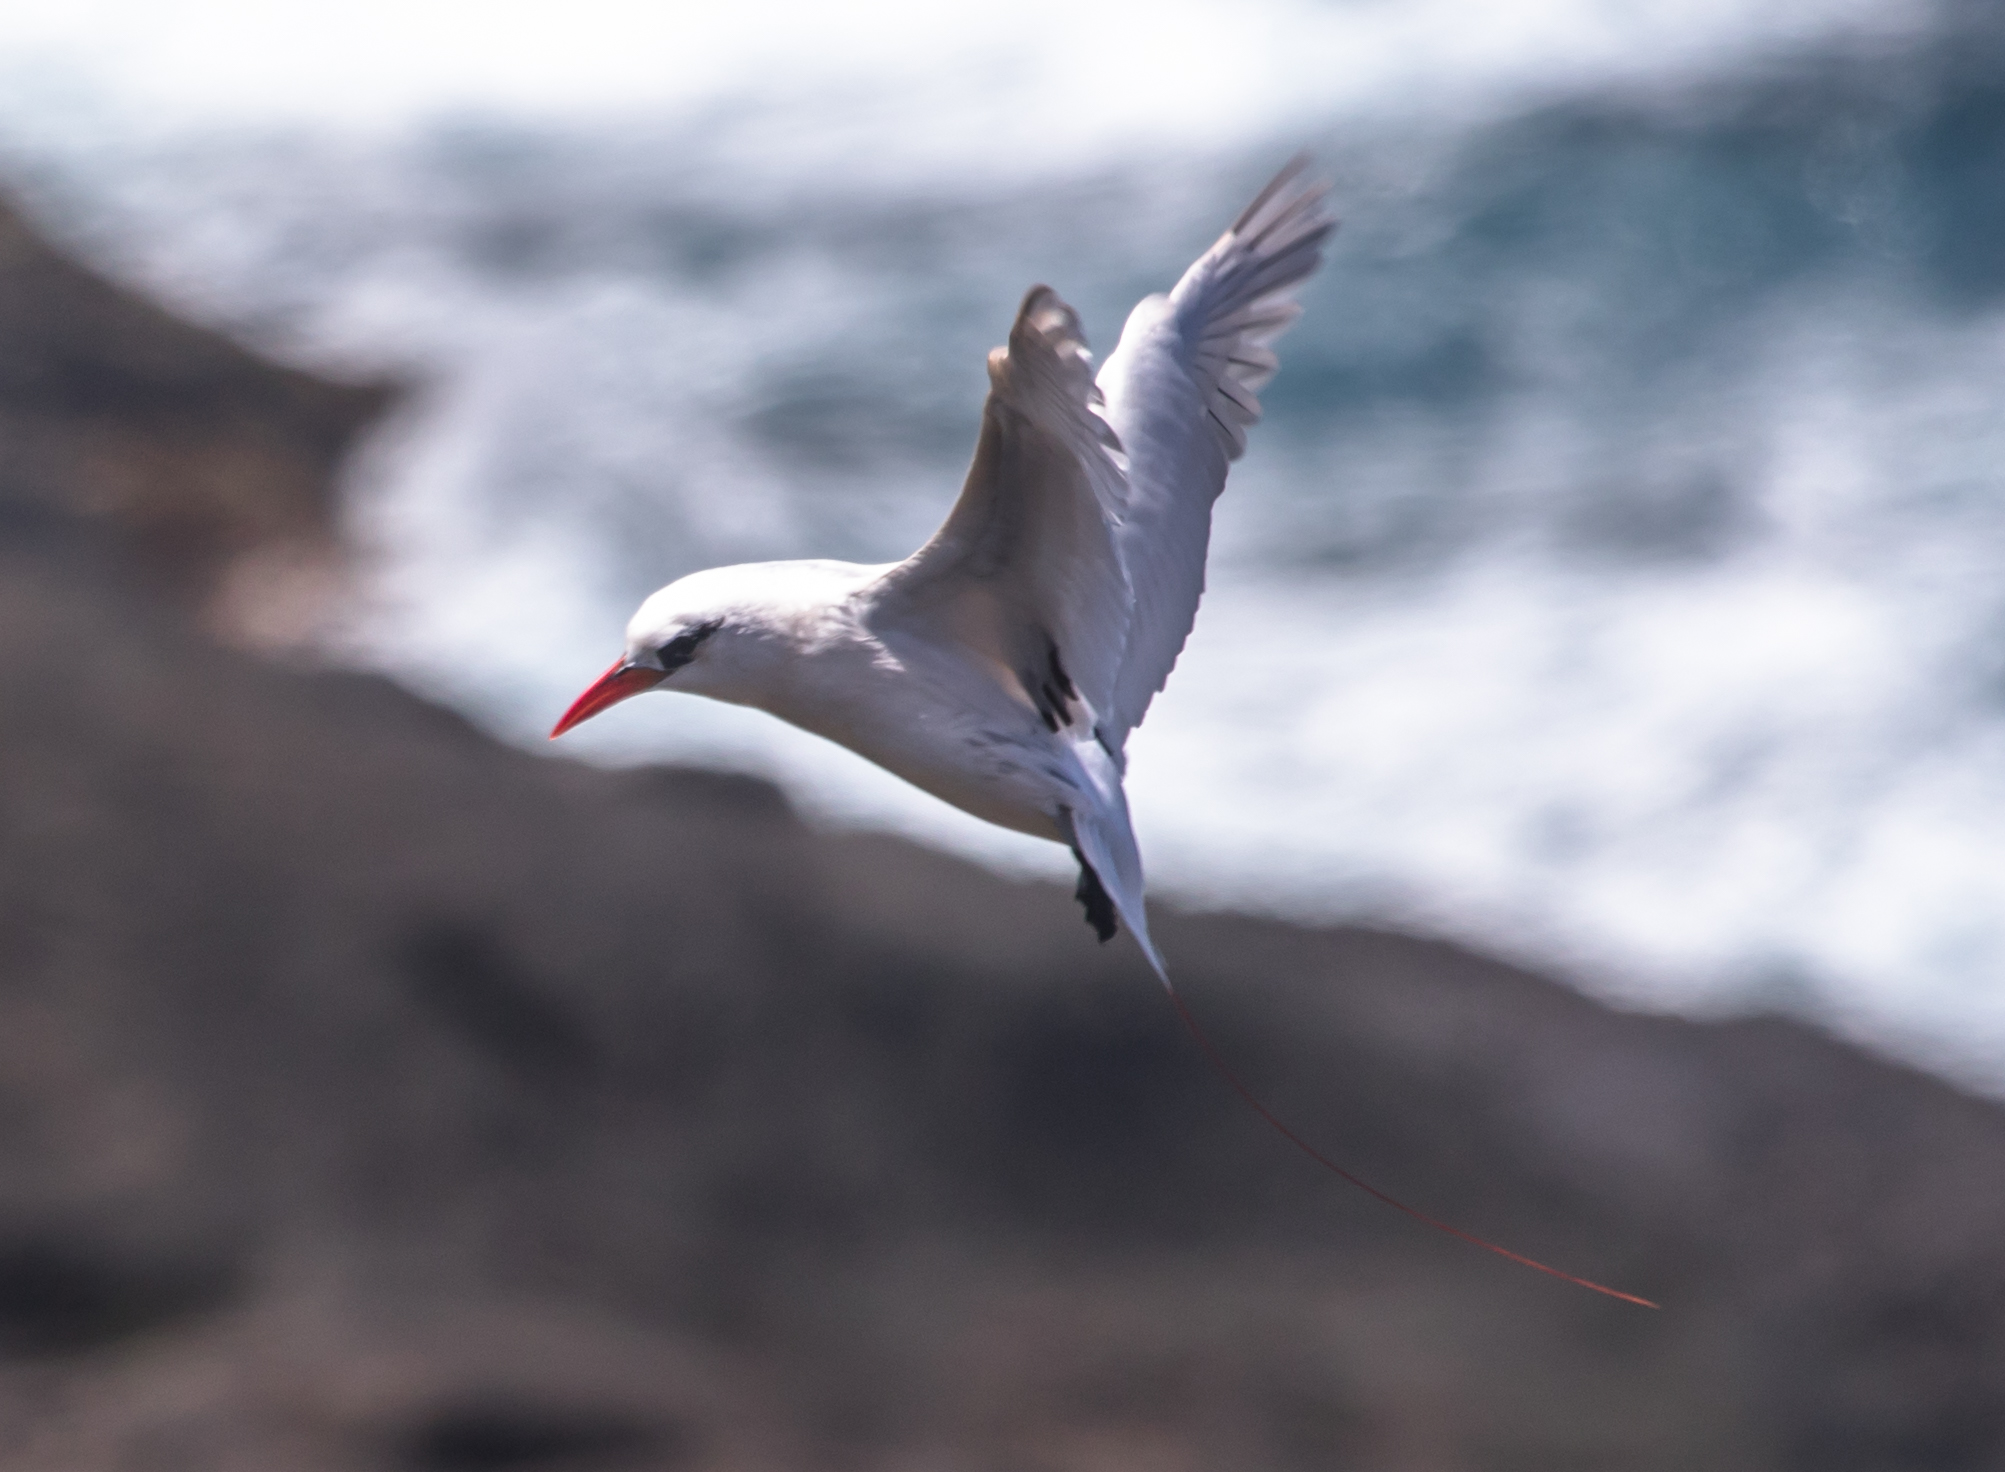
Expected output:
(1225, 1072)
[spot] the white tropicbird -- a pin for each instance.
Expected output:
(1002, 665)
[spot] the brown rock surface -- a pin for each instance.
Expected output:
(373, 1096)
(199, 453)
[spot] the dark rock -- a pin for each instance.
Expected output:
(198, 452)
(501, 1436)
(60, 1294)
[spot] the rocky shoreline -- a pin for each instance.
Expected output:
(373, 1095)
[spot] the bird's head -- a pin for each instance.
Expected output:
(668, 641)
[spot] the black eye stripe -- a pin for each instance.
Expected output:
(680, 650)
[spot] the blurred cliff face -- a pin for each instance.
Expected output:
(201, 462)
(373, 1096)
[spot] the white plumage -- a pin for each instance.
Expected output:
(1002, 665)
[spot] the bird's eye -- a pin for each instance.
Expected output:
(680, 650)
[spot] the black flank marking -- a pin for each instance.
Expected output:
(1092, 897)
(1064, 680)
(1053, 690)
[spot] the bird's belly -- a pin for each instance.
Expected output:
(1015, 780)
(1003, 794)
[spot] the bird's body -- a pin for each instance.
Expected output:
(1001, 667)
(810, 642)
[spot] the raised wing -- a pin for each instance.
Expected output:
(1024, 574)
(1180, 392)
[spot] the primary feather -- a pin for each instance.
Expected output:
(1181, 389)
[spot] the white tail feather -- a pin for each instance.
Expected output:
(1107, 841)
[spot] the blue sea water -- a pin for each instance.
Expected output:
(1619, 575)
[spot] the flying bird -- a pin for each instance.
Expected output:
(1002, 665)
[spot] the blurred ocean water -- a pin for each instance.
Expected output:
(1617, 576)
